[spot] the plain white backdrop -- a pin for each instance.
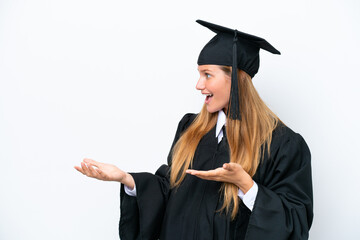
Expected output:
(110, 80)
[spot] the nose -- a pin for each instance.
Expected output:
(200, 84)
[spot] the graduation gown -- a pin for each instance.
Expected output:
(283, 208)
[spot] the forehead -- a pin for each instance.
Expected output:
(210, 68)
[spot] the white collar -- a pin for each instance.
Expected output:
(221, 121)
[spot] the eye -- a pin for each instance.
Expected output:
(207, 75)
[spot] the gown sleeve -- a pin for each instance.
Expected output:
(141, 216)
(283, 208)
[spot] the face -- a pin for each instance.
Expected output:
(215, 85)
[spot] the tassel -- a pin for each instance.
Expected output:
(234, 111)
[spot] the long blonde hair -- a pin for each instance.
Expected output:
(247, 138)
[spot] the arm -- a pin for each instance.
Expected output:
(235, 174)
(283, 207)
(141, 216)
(283, 204)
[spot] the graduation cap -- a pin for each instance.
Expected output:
(231, 47)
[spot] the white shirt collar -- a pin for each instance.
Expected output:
(221, 121)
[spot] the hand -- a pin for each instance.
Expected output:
(229, 172)
(105, 172)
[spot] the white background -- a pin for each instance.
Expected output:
(110, 80)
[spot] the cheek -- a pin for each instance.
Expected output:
(228, 88)
(225, 92)
(225, 96)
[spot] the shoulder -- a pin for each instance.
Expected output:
(288, 144)
(186, 121)
(283, 134)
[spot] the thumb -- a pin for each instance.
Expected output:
(230, 166)
(227, 166)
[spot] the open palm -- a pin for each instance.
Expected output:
(102, 171)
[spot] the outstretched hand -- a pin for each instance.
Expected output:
(229, 172)
(105, 172)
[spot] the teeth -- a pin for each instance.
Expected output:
(209, 95)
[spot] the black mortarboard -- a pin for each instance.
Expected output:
(231, 47)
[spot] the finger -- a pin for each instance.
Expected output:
(79, 169)
(220, 177)
(232, 166)
(92, 171)
(192, 171)
(85, 169)
(210, 178)
(93, 162)
(204, 174)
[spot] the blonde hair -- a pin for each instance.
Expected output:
(247, 138)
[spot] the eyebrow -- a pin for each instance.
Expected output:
(205, 70)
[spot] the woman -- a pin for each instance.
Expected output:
(235, 171)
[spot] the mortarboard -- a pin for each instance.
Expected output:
(231, 47)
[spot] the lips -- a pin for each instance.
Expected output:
(208, 98)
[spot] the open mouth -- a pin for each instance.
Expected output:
(208, 98)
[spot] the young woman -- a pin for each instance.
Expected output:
(235, 171)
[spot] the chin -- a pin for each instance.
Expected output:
(212, 110)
